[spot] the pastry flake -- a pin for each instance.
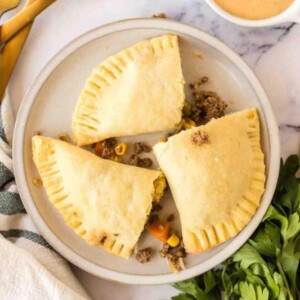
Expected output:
(217, 184)
(138, 90)
(105, 202)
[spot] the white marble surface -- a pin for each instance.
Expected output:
(273, 53)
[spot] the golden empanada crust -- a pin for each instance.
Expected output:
(218, 184)
(105, 202)
(138, 90)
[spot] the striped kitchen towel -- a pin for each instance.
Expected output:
(30, 268)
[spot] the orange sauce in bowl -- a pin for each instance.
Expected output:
(254, 9)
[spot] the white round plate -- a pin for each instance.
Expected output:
(48, 107)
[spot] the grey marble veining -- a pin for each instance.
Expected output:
(242, 40)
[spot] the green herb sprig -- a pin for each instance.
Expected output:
(267, 266)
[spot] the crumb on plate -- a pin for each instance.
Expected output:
(160, 15)
(198, 54)
(64, 137)
(144, 255)
(37, 182)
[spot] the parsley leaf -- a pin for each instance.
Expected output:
(291, 165)
(273, 214)
(190, 287)
(289, 199)
(201, 288)
(183, 297)
(267, 241)
(247, 256)
(251, 292)
(209, 281)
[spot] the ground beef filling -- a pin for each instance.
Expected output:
(167, 251)
(176, 263)
(174, 257)
(152, 219)
(164, 250)
(140, 162)
(200, 137)
(108, 149)
(156, 207)
(205, 105)
(140, 148)
(105, 149)
(208, 105)
(143, 255)
(170, 218)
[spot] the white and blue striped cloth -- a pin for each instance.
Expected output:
(30, 268)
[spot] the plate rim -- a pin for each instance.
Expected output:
(18, 152)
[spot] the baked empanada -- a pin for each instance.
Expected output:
(216, 173)
(105, 202)
(138, 90)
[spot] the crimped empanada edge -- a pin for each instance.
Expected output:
(85, 124)
(44, 159)
(110, 242)
(207, 238)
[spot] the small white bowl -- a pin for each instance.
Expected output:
(291, 14)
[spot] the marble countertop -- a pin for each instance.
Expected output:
(273, 53)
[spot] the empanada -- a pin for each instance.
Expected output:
(138, 90)
(216, 173)
(105, 202)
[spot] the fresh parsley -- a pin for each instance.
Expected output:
(267, 266)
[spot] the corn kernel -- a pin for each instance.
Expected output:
(173, 240)
(121, 149)
(188, 123)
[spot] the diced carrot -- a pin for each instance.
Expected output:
(160, 230)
